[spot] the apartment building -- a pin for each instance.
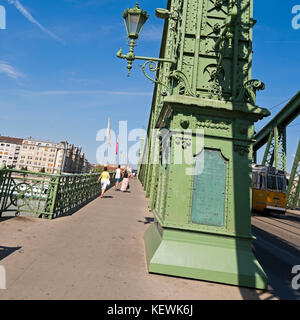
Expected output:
(41, 156)
(74, 158)
(51, 157)
(9, 151)
(87, 167)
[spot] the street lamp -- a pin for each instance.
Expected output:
(135, 19)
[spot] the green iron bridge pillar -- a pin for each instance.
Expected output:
(202, 227)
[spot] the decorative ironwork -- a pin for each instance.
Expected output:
(248, 93)
(43, 195)
(185, 87)
(185, 142)
(214, 124)
(241, 149)
(152, 66)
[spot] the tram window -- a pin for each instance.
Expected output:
(281, 183)
(262, 182)
(277, 183)
(254, 180)
(258, 181)
(272, 182)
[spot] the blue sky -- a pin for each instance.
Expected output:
(60, 78)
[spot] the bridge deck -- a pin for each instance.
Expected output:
(97, 253)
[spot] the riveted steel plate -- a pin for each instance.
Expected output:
(208, 207)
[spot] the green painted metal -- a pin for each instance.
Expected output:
(209, 189)
(287, 115)
(293, 191)
(203, 257)
(275, 152)
(274, 135)
(209, 87)
(45, 196)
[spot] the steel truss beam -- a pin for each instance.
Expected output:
(274, 136)
(294, 183)
(276, 149)
(288, 114)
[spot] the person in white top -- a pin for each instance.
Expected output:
(117, 177)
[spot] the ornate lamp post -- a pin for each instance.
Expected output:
(135, 19)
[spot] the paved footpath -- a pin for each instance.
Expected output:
(97, 253)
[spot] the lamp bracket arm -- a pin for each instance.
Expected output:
(155, 59)
(130, 56)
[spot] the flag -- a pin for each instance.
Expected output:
(108, 136)
(117, 146)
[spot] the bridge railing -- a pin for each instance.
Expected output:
(46, 196)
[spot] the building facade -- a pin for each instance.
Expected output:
(41, 156)
(9, 151)
(50, 157)
(74, 161)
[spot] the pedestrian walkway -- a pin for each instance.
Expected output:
(96, 253)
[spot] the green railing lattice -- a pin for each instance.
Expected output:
(43, 195)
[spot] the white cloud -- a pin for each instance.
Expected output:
(30, 18)
(9, 70)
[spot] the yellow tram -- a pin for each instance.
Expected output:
(269, 189)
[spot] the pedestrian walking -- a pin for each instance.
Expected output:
(105, 181)
(117, 177)
(125, 182)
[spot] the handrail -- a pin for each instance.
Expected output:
(46, 195)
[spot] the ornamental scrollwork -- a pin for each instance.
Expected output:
(241, 149)
(152, 66)
(184, 85)
(218, 4)
(21, 195)
(185, 142)
(211, 124)
(248, 93)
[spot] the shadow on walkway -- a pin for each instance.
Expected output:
(3, 219)
(6, 251)
(147, 220)
(277, 257)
